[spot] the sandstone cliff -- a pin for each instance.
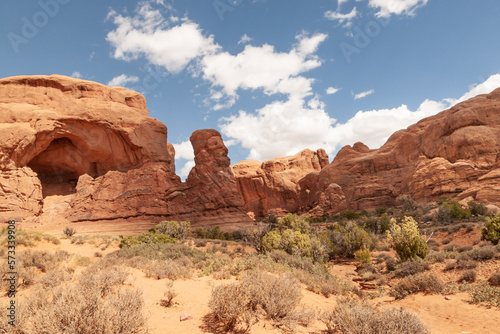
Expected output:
(456, 152)
(93, 153)
(273, 185)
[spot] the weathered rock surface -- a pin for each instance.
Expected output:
(456, 152)
(96, 148)
(273, 184)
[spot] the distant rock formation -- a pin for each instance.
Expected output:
(456, 152)
(94, 150)
(273, 185)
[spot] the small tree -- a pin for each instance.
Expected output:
(491, 230)
(176, 230)
(69, 231)
(294, 222)
(406, 240)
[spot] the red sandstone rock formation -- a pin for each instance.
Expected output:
(272, 185)
(96, 148)
(456, 152)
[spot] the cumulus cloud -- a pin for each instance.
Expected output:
(262, 67)
(285, 128)
(364, 94)
(245, 39)
(387, 8)
(163, 42)
(331, 90)
(184, 155)
(492, 83)
(122, 80)
(76, 75)
(340, 17)
(278, 129)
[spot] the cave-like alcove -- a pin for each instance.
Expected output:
(59, 167)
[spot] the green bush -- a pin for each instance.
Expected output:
(346, 240)
(146, 238)
(491, 230)
(292, 242)
(483, 293)
(173, 229)
(406, 240)
(294, 222)
(477, 209)
(363, 256)
(450, 211)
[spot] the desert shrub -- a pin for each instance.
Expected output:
(211, 232)
(491, 230)
(468, 276)
(254, 236)
(422, 282)
(160, 269)
(406, 240)
(102, 279)
(452, 210)
(391, 264)
(462, 249)
(451, 248)
(350, 215)
(479, 254)
(69, 231)
(81, 309)
(447, 241)
(363, 256)
(290, 241)
(483, 293)
(294, 222)
(360, 317)
(176, 230)
(380, 211)
(53, 278)
(477, 209)
(238, 303)
(169, 294)
(494, 279)
(163, 252)
(346, 240)
(409, 268)
(150, 237)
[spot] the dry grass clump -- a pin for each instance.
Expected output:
(169, 294)
(28, 238)
(98, 240)
(428, 283)
(359, 317)
(468, 276)
(241, 303)
(97, 303)
(411, 268)
(170, 269)
(494, 279)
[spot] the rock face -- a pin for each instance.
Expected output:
(97, 149)
(273, 185)
(456, 152)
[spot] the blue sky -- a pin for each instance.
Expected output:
(273, 76)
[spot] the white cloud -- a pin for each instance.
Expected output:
(331, 90)
(279, 129)
(364, 94)
(184, 150)
(341, 18)
(387, 8)
(162, 41)
(245, 39)
(285, 128)
(122, 80)
(76, 75)
(492, 83)
(91, 56)
(261, 67)
(184, 154)
(374, 127)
